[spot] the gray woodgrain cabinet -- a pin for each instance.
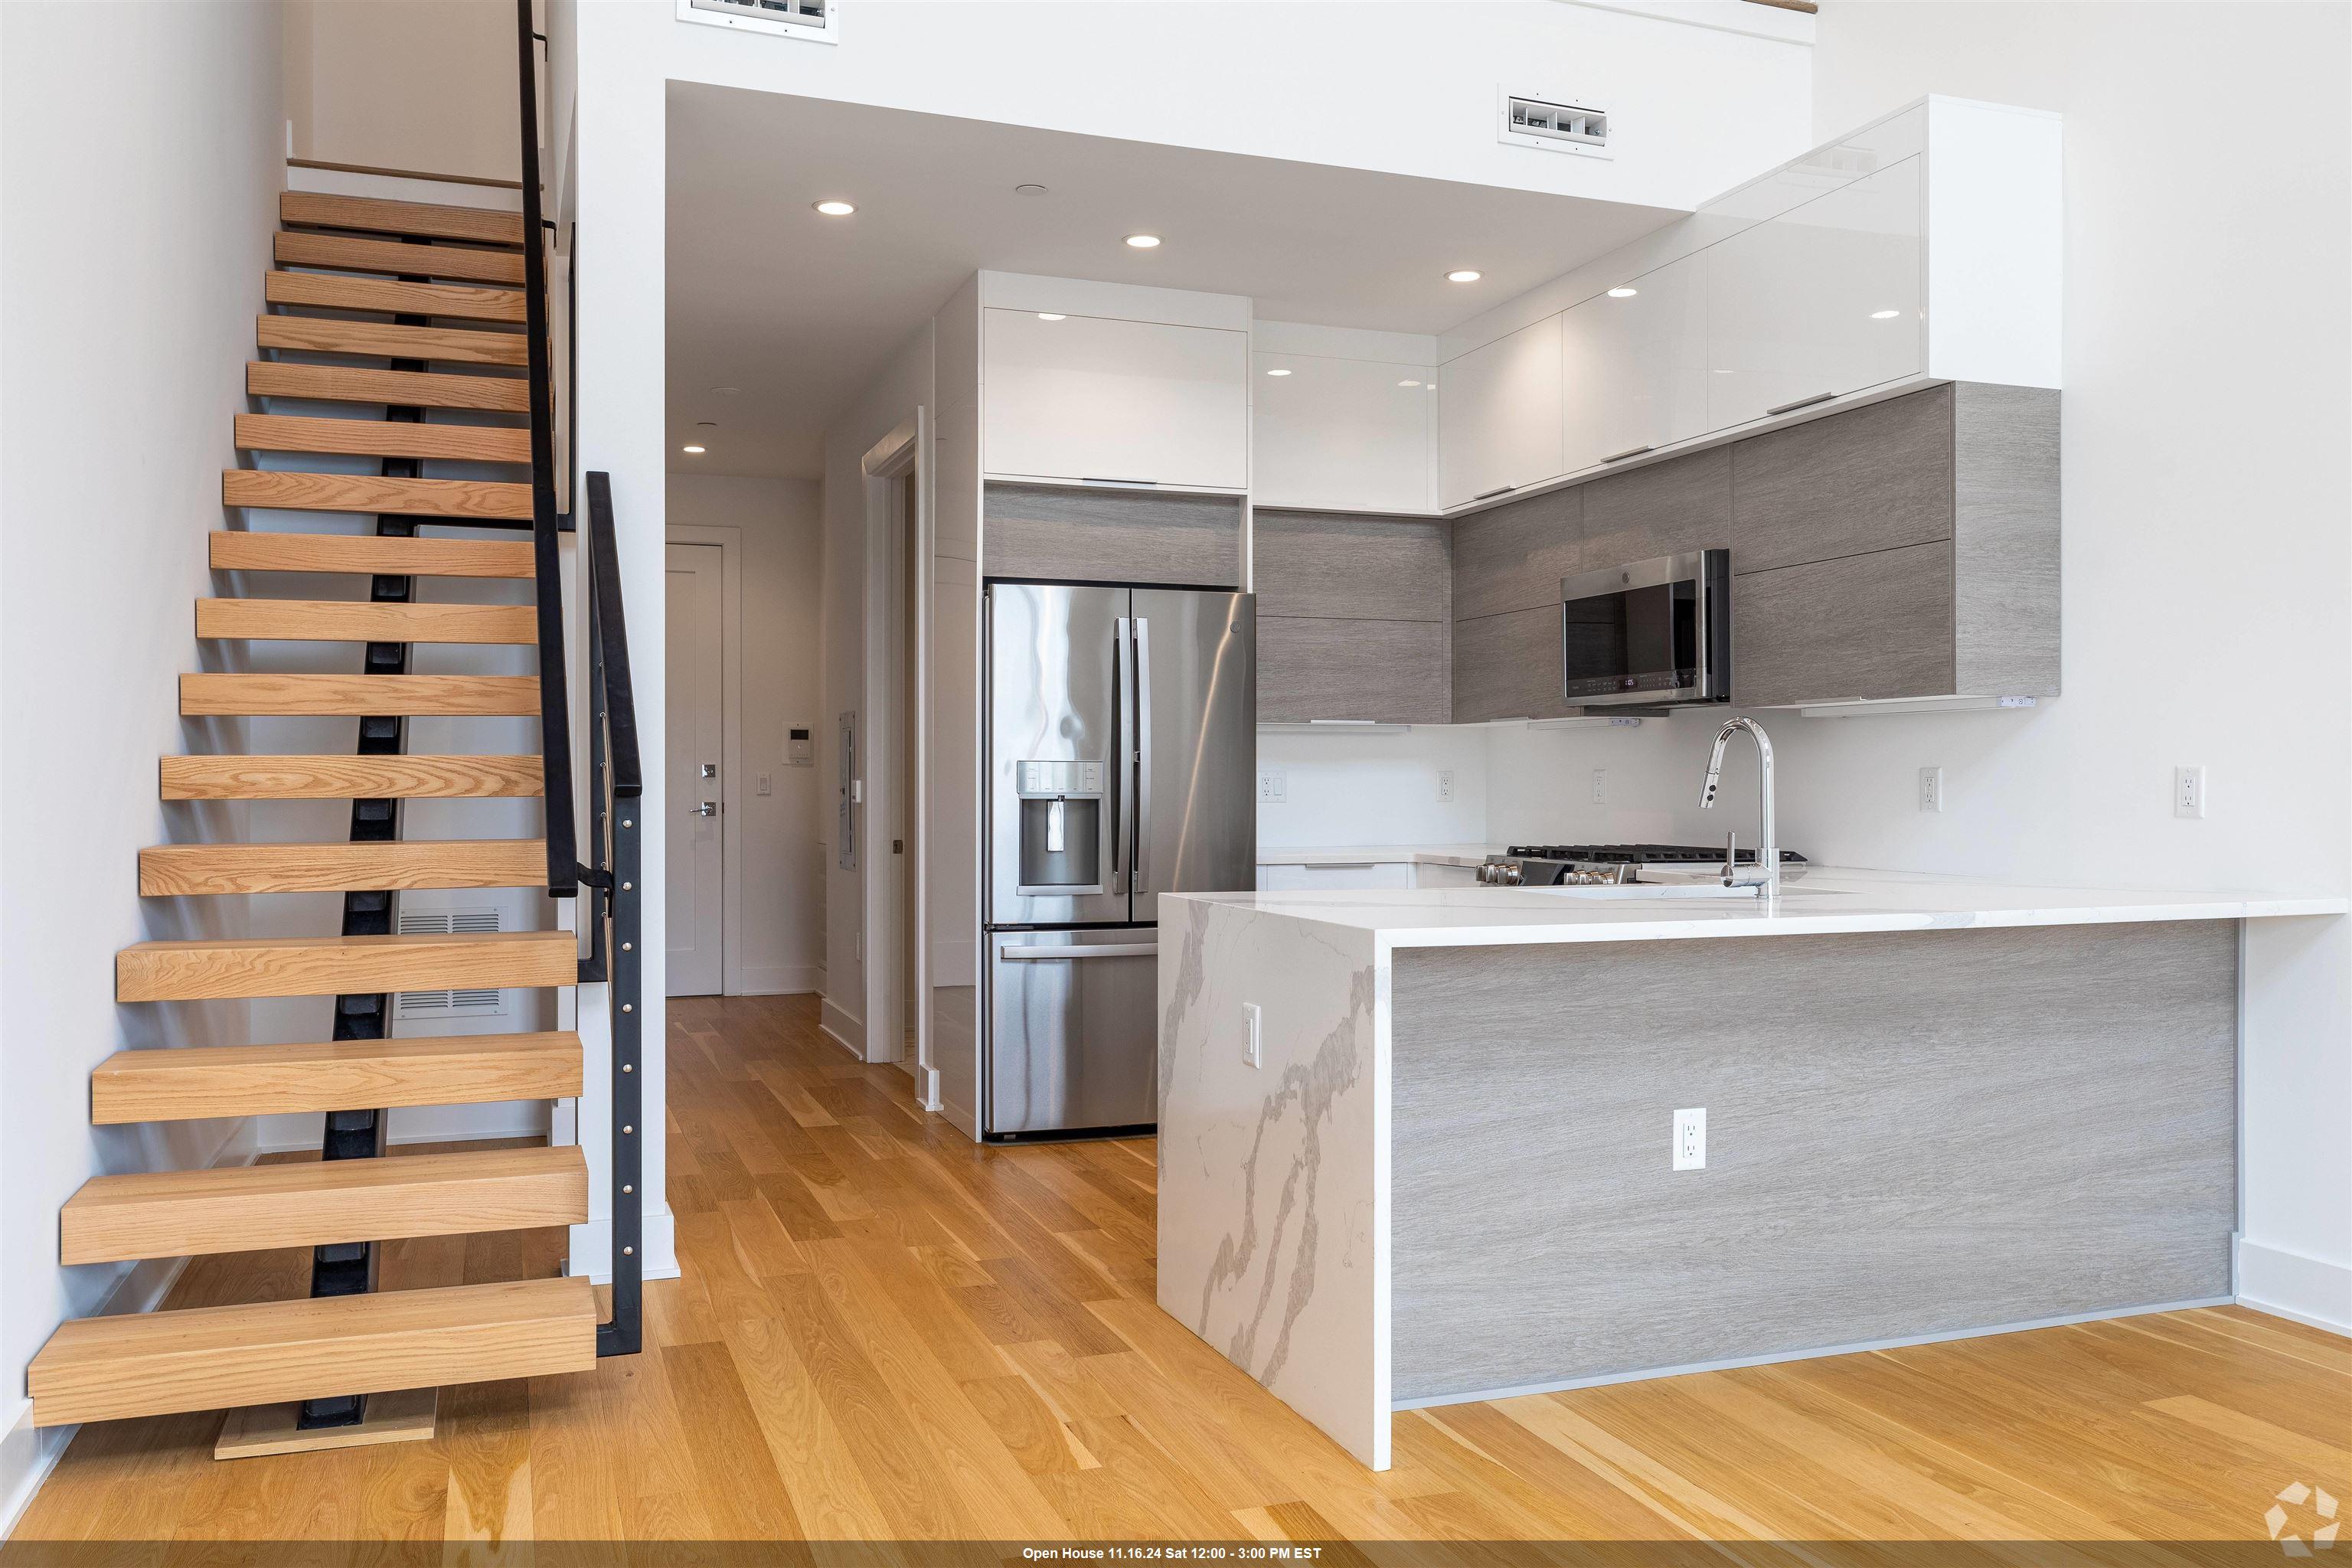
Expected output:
(1876, 626)
(1513, 557)
(1393, 672)
(1355, 617)
(1684, 503)
(1075, 533)
(1507, 667)
(1878, 478)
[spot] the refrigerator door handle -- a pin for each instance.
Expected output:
(1142, 754)
(1041, 953)
(1121, 717)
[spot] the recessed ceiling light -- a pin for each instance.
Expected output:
(693, 451)
(1408, 384)
(1622, 293)
(1049, 316)
(1029, 190)
(1884, 315)
(1144, 241)
(1462, 275)
(835, 209)
(1277, 372)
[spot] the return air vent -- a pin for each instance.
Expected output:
(815, 20)
(422, 1005)
(1554, 124)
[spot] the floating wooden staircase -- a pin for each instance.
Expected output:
(394, 334)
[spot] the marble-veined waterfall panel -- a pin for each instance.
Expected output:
(1907, 1133)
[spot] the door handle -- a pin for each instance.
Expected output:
(1042, 954)
(1497, 490)
(1120, 718)
(708, 809)
(1801, 402)
(1628, 452)
(1142, 754)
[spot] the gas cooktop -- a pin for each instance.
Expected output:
(1638, 854)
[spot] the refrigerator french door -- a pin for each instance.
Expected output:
(1121, 761)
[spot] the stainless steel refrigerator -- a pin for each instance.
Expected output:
(1121, 758)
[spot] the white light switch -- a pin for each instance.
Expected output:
(1251, 1052)
(1690, 1139)
(767, 784)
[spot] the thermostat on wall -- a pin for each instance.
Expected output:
(799, 750)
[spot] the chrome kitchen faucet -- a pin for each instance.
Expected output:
(1765, 877)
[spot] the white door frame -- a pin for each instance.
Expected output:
(906, 449)
(730, 542)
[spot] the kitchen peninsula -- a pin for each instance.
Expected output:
(1422, 1146)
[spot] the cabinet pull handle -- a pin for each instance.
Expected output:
(1629, 452)
(1801, 402)
(1098, 480)
(1340, 865)
(1497, 490)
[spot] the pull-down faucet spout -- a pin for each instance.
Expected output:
(1766, 876)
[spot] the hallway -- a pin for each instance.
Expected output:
(885, 1333)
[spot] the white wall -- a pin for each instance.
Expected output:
(1377, 789)
(909, 381)
(775, 941)
(425, 86)
(121, 123)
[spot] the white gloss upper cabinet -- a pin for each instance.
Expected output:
(1342, 434)
(1634, 366)
(1499, 425)
(1089, 397)
(1821, 300)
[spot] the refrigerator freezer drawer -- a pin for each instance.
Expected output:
(1074, 1038)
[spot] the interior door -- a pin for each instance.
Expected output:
(1195, 660)
(696, 869)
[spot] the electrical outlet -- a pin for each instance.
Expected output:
(1444, 785)
(1601, 787)
(1690, 1139)
(1931, 789)
(767, 784)
(2189, 792)
(1272, 787)
(1253, 1052)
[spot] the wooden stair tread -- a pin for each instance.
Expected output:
(175, 870)
(374, 214)
(453, 345)
(382, 438)
(355, 254)
(338, 777)
(334, 965)
(153, 1364)
(408, 388)
(360, 620)
(245, 550)
(463, 498)
(497, 696)
(186, 1082)
(393, 295)
(316, 1203)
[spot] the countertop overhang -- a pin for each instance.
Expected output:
(1822, 900)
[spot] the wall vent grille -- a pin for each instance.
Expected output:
(1554, 124)
(422, 1005)
(813, 19)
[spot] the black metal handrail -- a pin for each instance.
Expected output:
(554, 698)
(612, 912)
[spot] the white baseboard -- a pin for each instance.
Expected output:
(779, 980)
(846, 1030)
(592, 1243)
(29, 1453)
(2288, 1284)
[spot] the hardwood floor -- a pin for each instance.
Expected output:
(884, 1333)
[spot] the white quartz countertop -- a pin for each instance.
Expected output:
(1822, 899)
(1382, 855)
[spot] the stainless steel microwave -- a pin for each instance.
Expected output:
(1653, 632)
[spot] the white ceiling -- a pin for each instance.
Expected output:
(800, 312)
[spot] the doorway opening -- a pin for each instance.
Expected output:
(897, 572)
